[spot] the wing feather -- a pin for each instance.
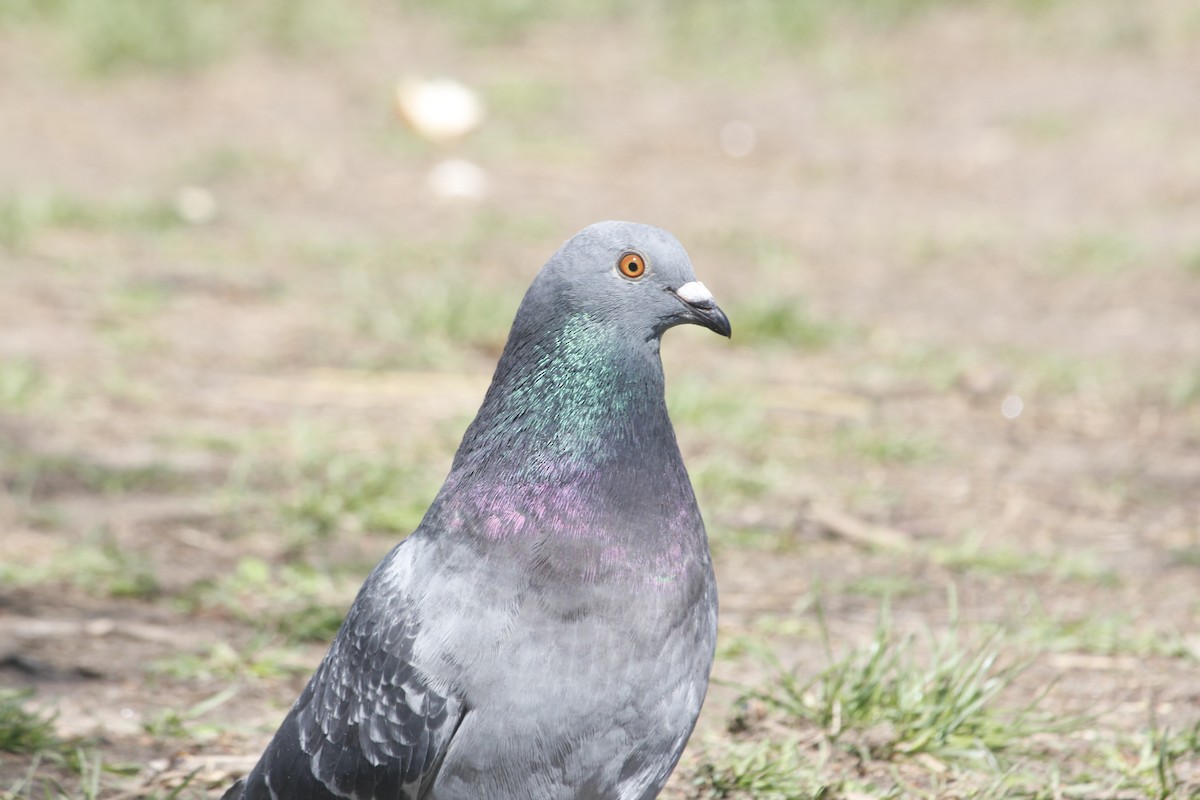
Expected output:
(369, 725)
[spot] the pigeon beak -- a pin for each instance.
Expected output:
(703, 308)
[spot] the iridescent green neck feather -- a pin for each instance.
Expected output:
(567, 398)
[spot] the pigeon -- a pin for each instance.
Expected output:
(547, 631)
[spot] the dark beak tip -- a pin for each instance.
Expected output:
(725, 329)
(716, 321)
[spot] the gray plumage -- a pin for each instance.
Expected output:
(547, 631)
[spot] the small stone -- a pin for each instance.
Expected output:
(195, 205)
(458, 179)
(439, 110)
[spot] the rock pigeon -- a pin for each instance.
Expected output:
(548, 630)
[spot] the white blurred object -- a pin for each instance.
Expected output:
(458, 179)
(195, 205)
(440, 109)
(738, 138)
(1011, 407)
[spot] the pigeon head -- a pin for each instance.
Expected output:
(580, 382)
(636, 278)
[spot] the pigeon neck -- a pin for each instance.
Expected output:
(573, 449)
(568, 399)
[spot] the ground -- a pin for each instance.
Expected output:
(950, 461)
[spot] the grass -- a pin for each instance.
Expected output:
(80, 775)
(171, 36)
(98, 565)
(21, 382)
(527, 94)
(86, 771)
(1105, 253)
(884, 445)
(312, 488)
(728, 482)
(944, 707)
(308, 484)
(347, 493)
(930, 716)
(784, 321)
(24, 215)
(23, 730)
(1184, 389)
(1190, 263)
(185, 723)
(736, 469)
(1147, 764)
(935, 368)
(967, 240)
(1186, 556)
(935, 707)
(30, 731)
(766, 627)
(746, 249)
(419, 320)
(47, 474)
(770, 24)
(422, 302)
(264, 659)
(883, 587)
(1033, 374)
(1113, 634)
(230, 161)
(766, 770)
(292, 601)
(973, 554)
(1050, 373)
(122, 313)
(721, 412)
(119, 36)
(1044, 126)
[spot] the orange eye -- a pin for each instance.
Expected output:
(632, 265)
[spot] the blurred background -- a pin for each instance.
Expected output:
(258, 258)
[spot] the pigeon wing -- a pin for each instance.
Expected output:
(369, 724)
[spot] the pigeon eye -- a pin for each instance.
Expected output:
(632, 265)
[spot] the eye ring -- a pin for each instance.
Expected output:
(631, 265)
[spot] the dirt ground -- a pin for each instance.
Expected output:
(240, 337)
